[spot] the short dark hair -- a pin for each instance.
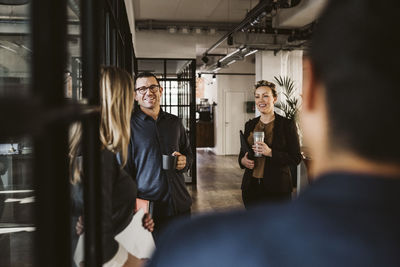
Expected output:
(262, 83)
(146, 74)
(355, 55)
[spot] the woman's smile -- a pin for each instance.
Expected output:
(264, 99)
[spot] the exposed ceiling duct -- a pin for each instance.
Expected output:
(299, 16)
(255, 13)
(257, 32)
(192, 25)
(255, 29)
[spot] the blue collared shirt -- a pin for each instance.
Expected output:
(150, 139)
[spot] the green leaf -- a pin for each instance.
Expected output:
(290, 105)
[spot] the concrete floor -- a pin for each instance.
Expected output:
(218, 183)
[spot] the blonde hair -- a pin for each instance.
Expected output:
(117, 96)
(75, 164)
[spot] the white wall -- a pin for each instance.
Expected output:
(162, 44)
(284, 63)
(268, 65)
(210, 88)
(292, 66)
(131, 20)
(223, 84)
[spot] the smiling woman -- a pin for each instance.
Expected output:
(267, 177)
(265, 98)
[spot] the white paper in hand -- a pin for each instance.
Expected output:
(136, 239)
(79, 250)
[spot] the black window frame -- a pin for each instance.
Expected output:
(46, 116)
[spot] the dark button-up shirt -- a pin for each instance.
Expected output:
(150, 139)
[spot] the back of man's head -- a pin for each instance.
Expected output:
(355, 54)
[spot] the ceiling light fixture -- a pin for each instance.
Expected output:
(233, 61)
(26, 48)
(185, 30)
(217, 69)
(172, 29)
(251, 52)
(205, 59)
(198, 30)
(8, 48)
(230, 54)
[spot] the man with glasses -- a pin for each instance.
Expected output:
(155, 133)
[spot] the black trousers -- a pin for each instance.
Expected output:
(257, 194)
(162, 218)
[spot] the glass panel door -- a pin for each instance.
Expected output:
(17, 196)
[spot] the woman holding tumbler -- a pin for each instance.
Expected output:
(267, 176)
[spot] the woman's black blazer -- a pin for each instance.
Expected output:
(285, 152)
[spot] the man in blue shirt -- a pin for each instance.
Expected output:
(155, 133)
(349, 215)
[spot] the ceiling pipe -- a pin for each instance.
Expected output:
(256, 11)
(223, 73)
(14, 2)
(300, 15)
(164, 24)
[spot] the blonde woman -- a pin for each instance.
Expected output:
(119, 190)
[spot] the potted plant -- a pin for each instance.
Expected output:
(290, 106)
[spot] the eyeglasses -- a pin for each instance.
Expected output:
(153, 88)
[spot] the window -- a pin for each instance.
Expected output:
(41, 95)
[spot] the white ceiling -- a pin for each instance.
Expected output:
(193, 10)
(156, 43)
(22, 12)
(14, 11)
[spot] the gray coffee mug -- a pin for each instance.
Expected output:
(168, 162)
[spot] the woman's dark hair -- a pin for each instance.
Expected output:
(271, 85)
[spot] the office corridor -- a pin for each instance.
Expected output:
(218, 183)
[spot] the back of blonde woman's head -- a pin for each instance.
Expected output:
(75, 161)
(117, 96)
